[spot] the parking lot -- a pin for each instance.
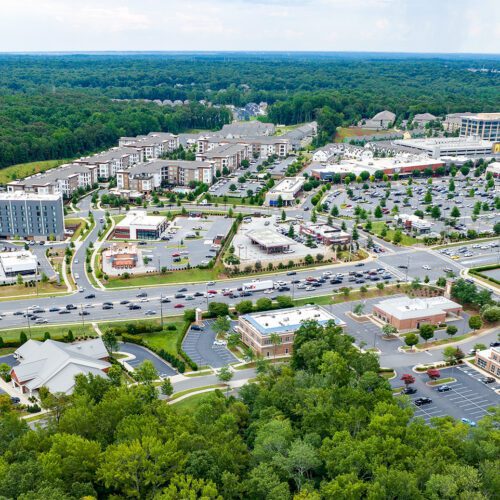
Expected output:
(199, 346)
(410, 198)
(468, 398)
(142, 354)
(248, 252)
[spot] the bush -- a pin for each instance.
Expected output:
(33, 408)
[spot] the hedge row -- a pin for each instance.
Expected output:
(170, 358)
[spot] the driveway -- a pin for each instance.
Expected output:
(198, 345)
(142, 354)
(8, 359)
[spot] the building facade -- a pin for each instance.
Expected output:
(485, 126)
(489, 360)
(31, 216)
(285, 192)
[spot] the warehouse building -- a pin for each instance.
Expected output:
(405, 313)
(256, 328)
(31, 216)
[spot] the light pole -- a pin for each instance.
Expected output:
(161, 310)
(83, 319)
(29, 324)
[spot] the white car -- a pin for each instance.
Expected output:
(268, 291)
(220, 343)
(144, 299)
(426, 267)
(77, 276)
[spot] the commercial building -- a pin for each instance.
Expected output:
(20, 262)
(140, 226)
(147, 177)
(494, 168)
(270, 241)
(453, 121)
(402, 164)
(31, 216)
(489, 360)
(405, 313)
(54, 365)
(382, 120)
(121, 257)
(326, 234)
(471, 147)
(285, 192)
(256, 328)
(485, 126)
(413, 223)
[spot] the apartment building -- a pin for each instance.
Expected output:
(31, 216)
(485, 126)
(151, 146)
(256, 328)
(109, 162)
(489, 360)
(263, 146)
(227, 156)
(146, 177)
(453, 121)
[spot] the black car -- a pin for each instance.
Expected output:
(64, 311)
(291, 273)
(422, 401)
(107, 307)
(70, 307)
(18, 313)
(107, 303)
(402, 266)
(142, 294)
(409, 390)
(165, 300)
(246, 294)
(360, 264)
(494, 344)
(335, 281)
(15, 400)
(295, 282)
(54, 309)
(196, 327)
(198, 294)
(83, 313)
(90, 296)
(179, 296)
(182, 290)
(444, 388)
(133, 307)
(125, 302)
(488, 380)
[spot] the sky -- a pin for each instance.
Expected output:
(445, 26)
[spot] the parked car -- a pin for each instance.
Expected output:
(488, 380)
(468, 422)
(422, 401)
(196, 327)
(444, 388)
(409, 390)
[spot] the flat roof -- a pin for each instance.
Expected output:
(289, 320)
(23, 195)
(141, 219)
(484, 116)
(288, 185)
(447, 142)
(405, 307)
(269, 238)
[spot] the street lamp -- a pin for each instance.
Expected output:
(161, 310)
(29, 324)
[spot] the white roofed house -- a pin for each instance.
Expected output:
(422, 119)
(54, 365)
(381, 120)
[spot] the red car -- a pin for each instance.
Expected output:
(179, 306)
(212, 291)
(176, 255)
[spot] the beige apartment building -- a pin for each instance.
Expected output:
(489, 360)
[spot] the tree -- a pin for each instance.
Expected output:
(435, 212)
(110, 342)
(411, 340)
(449, 353)
(301, 460)
(491, 314)
(22, 338)
(355, 234)
(244, 307)
(408, 379)
(225, 375)
(475, 322)
(389, 330)
(275, 339)
(20, 279)
(358, 309)
(221, 325)
(283, 215)
(55, 403)
(44, 278)
(398, 237)
(426, 331)
(167, 389)
(433, 373)
(146, 372)
(455, 212)
(451, 330)
(115, 375)
(218, 309)
(4, 370)
(263, 304)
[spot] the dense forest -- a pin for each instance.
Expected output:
(325, 426)
(54, 106)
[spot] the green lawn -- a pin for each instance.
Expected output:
(166, 339)
(322, 300)
(233, 200)
(177, 395)
(20, 290)
(377, 230)
(191, 403)
(22, 170)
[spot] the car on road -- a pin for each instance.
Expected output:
(468, 422)
(360, 264)
(488, 380)
(210, 283)
(107, 306)
(90, 296)
(77, 276)
(144, 299)
(422, 401)
(494, 344)
(402, 266)
(198, 294)
(182, 290)
(125, 302)
(65, 311)
(18, 313)
(54, 309)
(178, 306)
(444, 388)
(291, 273)
(165, 300)
(179, 296)
(70, 307)
(150, 312)
(426, 267)
(133, 307)
(142, 294)
(41, 321)
(83, 313)
(409, 390)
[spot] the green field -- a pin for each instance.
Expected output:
(406, 241)
(56, 332)
(8, 291)
(166, 339)
(192, 402)
(232, 200)
(358, 133)
(22, 170)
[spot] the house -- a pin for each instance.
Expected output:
(423, 119)
(382, 120)
(54, 365)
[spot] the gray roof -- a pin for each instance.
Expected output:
(247, 128)
(385, 115)
(155, 166)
